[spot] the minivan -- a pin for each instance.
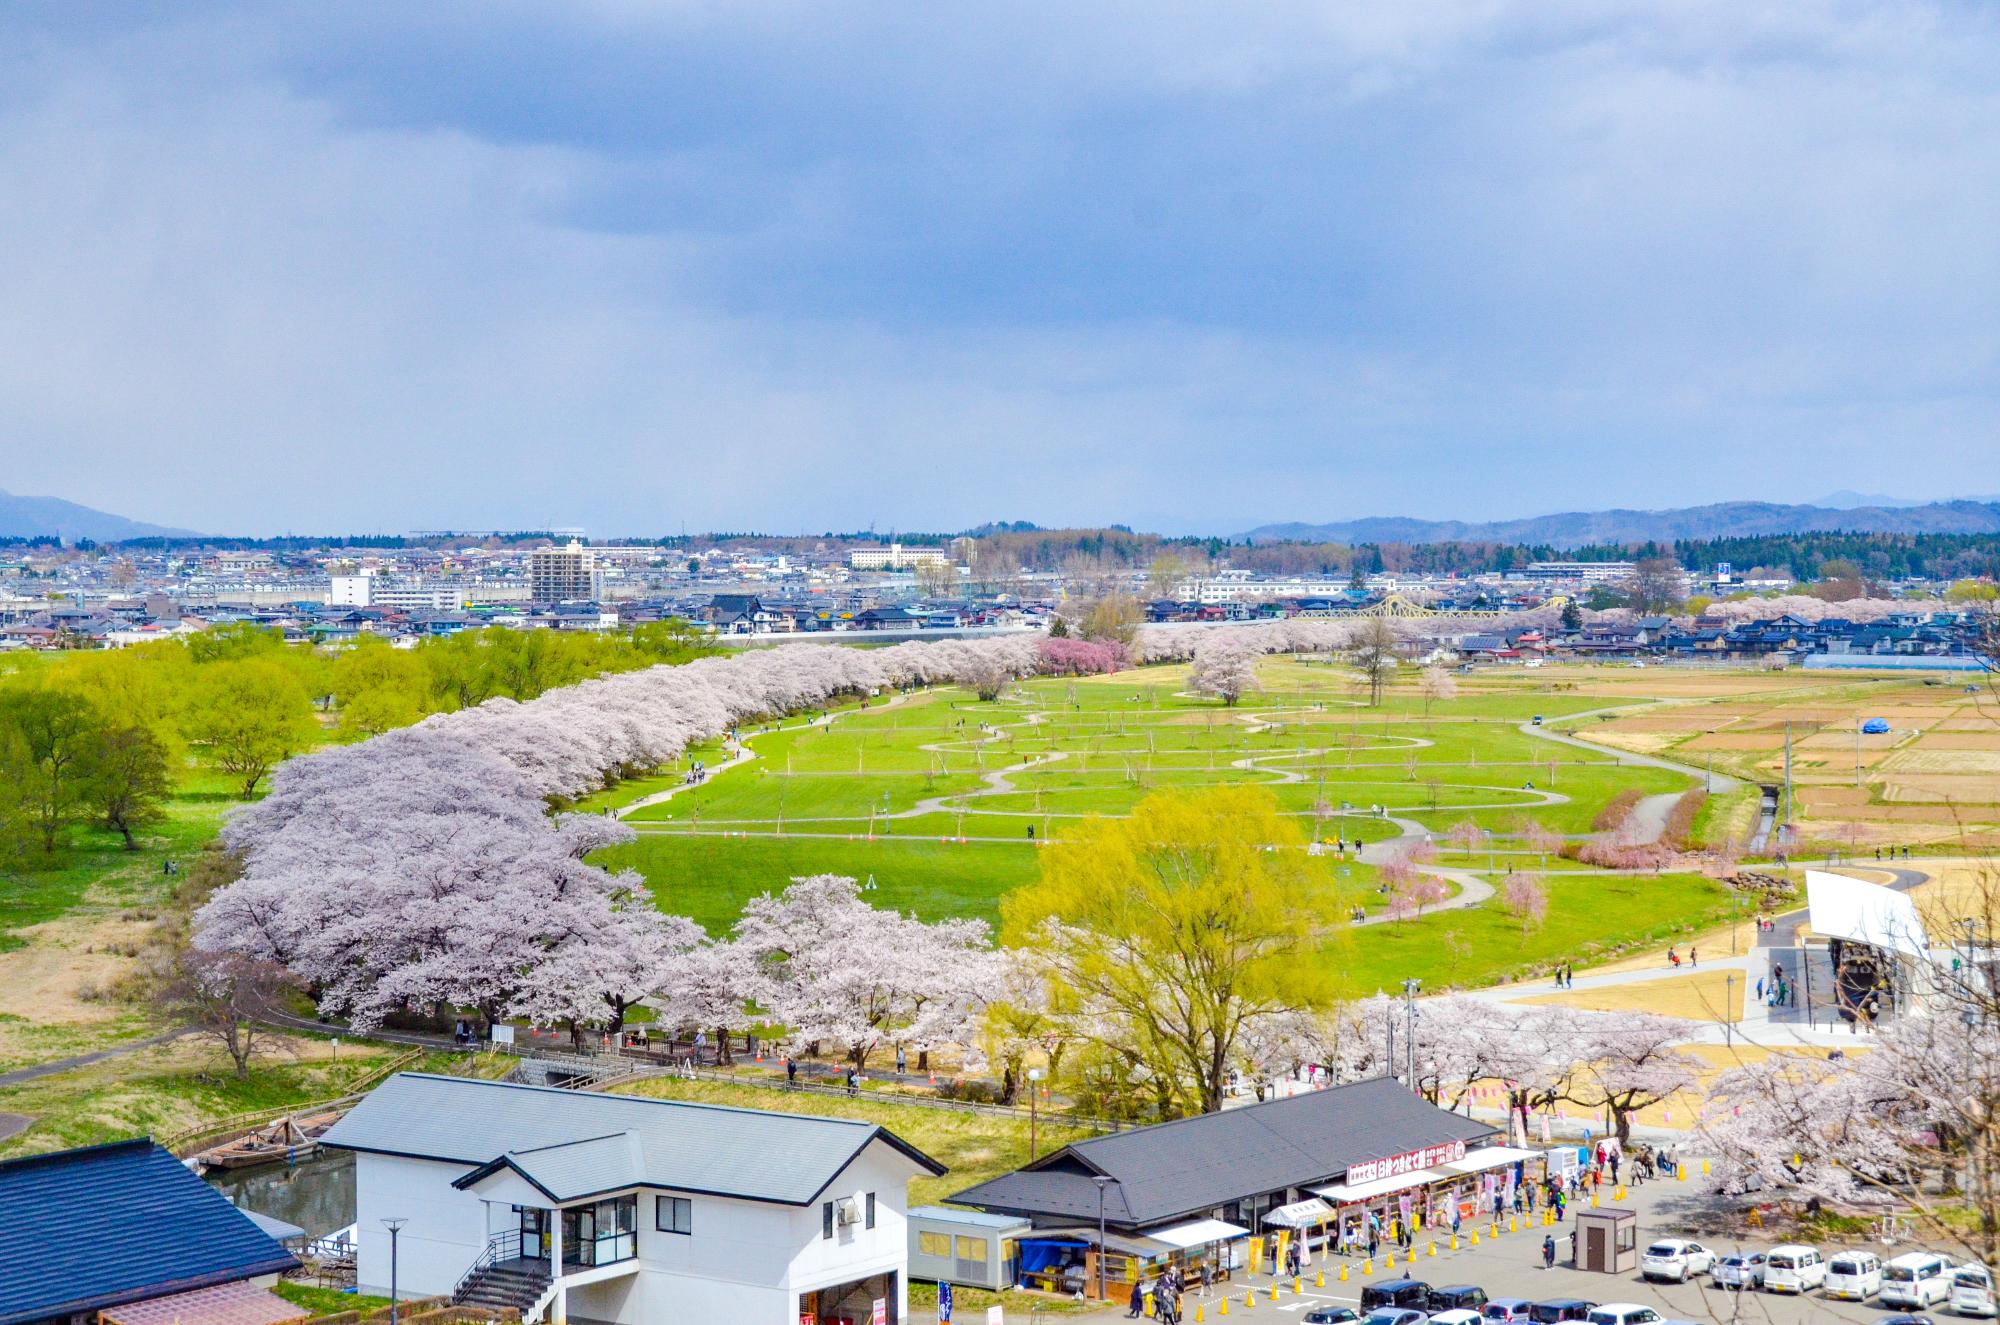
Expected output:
(1916, 1279)
(1853, 1276)
(1623, 1313)
(1972, 1291)
(1457, 1297)
(1560, 1309)
(1793, 1269)
(1507, 1309)
(1396, 1293)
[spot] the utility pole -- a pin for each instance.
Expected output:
(1034, 1089)
(1102, 1182)
(1410, 988)
(1784, 829)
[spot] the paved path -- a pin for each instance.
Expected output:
(1717, 782)
(58, 1066)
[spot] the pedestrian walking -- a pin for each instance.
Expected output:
(1137, 1307)
(791, 1071)
(853, 1081)
(1691, 956)
(1549, 1252)
(1614, 1168)
(1760, 989)
(902, 1063)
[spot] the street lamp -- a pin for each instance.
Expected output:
(1034, 1077)
(1410, 988)
(395, 1226)
(1102, 1181)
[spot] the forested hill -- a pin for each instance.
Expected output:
(1736, 519)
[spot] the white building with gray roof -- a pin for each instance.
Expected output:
(623, 1209)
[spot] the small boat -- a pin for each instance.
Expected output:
(287, 1141)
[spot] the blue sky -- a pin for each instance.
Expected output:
(644, 266)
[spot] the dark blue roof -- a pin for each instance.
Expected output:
(106, 1225)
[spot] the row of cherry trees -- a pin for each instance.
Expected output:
(1536, 1059)
(423, 867)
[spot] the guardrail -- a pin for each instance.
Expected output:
(502, 1246)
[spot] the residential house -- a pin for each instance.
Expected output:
(125, 1234)
(625, 1209)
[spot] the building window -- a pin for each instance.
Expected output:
(972, 1249)
(934, 1244)
(826, 1219)
(674, 1214)
(869, 1218)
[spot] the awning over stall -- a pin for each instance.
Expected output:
(1300, 1214)
(1198, 1234)
(1349, 1194)
(1488, 1157)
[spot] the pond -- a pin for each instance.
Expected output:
(317, 1194)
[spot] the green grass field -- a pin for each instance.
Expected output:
(886, 794)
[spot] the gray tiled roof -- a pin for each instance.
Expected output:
(1185, 1168)
(575, 1144)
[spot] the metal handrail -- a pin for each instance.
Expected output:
(501, 1246)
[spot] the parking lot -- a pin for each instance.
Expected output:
(1511, 1266)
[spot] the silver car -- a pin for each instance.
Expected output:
(1742, 1270)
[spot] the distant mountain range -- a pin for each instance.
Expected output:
(1730, 519)
(32, 517)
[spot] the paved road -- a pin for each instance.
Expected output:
(1511, 1266)
(1717, 782)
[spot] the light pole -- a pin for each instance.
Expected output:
(395, 1227)
(1034, 1089)
(1102, 1181)
(1410, 988)
(1728, 1005)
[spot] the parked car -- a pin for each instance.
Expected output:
(1455, 1317)
(1457, 1297)
(1793, 1268)
(1904, 1318)
(1623, 1313)
(1505, 1310)
(1560, 1309)
(1853, 1276)
(1972, 1291)
(1414, 1293)
(1743, 1270)
(1331, 1316)
(1916, 1279)
(1676, 1260)
(1393, 1316)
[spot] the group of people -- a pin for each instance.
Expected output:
(1166, 1294)
(1674, 956)
(1777, 992)
(1565, 976)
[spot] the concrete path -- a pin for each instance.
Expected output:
(55, 1067)
(1719, 782)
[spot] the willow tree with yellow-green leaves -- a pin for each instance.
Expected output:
(1174, 941)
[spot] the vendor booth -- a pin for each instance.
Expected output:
(1240, 1189)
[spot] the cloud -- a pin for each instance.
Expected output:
(635, 266)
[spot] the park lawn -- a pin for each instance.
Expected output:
(1589, 919)
(46, 888)
(973, 1146)
(709, 877)
(326, 1301)
(181, 1084)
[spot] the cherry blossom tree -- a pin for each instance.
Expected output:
(1526, 898)
(1225, 665)
(1631, 1061)
(1438, 684)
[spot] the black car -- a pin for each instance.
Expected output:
(1457, 1297)
(1331, 1315)
(1559, 1309)
(1397, 1293)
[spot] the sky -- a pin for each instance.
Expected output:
(645, 267)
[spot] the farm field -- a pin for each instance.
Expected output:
(1930, 783)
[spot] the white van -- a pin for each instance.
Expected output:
(1793, 1268)
(1853, 1276)
(1972, 1291)
(1916, 1279)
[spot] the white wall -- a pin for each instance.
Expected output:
(446, 1232)
(744, 1263)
